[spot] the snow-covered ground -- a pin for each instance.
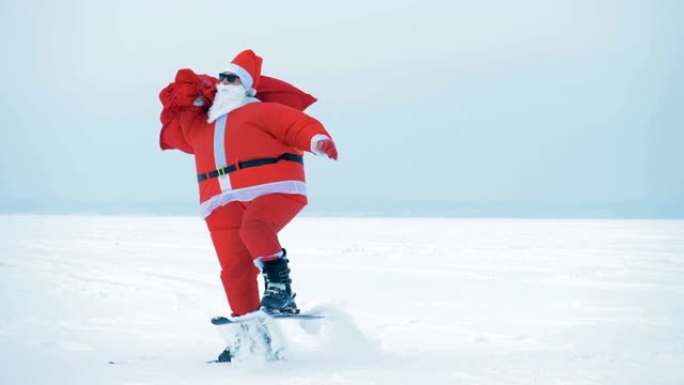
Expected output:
(127, 300)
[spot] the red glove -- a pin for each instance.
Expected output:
(327, 147)
(208, 89)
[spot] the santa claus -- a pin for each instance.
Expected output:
(248, 135)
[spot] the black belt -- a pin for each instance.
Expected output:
(247, 164)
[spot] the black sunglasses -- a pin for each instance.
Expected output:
(230, 78)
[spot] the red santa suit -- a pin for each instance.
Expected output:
(249, 165)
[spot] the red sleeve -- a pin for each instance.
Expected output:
(290, 126)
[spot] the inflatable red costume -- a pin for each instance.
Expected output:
(249, 160)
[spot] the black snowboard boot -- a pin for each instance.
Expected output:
(278, 296)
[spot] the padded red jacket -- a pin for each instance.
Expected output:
(254, 150)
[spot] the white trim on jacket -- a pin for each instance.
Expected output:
(250, 193)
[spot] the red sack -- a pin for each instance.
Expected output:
(270, 90)
(166, 96)
(274, 90)
(188, 86)
(171, 135)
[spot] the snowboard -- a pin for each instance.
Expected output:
(221, 320)
(253, 333)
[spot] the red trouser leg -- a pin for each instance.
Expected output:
(264, 217)
(244, 231)
(238, 273)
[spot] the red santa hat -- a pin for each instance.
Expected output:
(247, 66)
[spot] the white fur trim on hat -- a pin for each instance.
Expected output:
(244, 76)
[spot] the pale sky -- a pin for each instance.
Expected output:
(495, 102)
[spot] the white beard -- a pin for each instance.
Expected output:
(228, 98)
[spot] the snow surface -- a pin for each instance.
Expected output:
(127, 300)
